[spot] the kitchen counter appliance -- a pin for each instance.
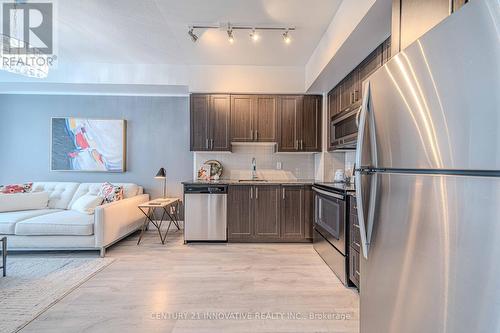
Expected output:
(330, 228)
(344, 130)
(205, 209)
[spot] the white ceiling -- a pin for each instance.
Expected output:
(155, 31)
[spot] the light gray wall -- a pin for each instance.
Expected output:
(157, 135)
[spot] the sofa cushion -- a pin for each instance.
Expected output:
(66, 222)
(23, 201)
(87, 203)
(111, 193)
(60, 193)
(8, 220)
(16, 188)
(129, 190)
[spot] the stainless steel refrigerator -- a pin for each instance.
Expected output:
(428, 181)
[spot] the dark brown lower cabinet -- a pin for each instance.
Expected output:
(354, 266)
(240, 213)
(269, 213)
(354, 242)
(292, 212)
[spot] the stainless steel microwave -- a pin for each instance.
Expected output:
(344, 130)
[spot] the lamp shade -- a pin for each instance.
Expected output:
(161, 173)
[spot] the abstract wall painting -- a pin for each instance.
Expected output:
(80, 144)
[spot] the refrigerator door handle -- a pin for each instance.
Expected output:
(359, 153)
(357, 116)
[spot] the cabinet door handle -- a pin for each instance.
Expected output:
(296, 145)
(251, 193)
(283, 193)
(256, 135)
(301, 144)
(211, 143)
(256, 193)
(206, 143)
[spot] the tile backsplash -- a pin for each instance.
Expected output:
(237, 165)
(338, 160)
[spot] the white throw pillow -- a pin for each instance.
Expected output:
(87, 203)
(23, 201)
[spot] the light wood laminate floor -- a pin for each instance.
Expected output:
(206, 288)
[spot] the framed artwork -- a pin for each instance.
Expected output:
(81, 144)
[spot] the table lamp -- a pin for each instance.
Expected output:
(161, 174)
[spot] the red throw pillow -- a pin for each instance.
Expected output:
(16, 188)
(111, 192)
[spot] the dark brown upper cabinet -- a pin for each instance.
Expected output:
(299, 123)
(265, 118)
(200, 115)
(334, 102)
(311, 123)
(413, 18)
(253, 118)
(290, 122)
(366, 68)
(242, 117)
(346, 96)
(386, 50)
(349, 91)
(210, 122)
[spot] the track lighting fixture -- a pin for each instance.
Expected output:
(230, 36)
(254, 36)
(286, 37)
(193, 36)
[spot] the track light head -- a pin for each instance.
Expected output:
(254, 36)
(286, 37)
(191, 34)
(230, 36)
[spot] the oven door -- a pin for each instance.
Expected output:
(330, 217)
(344, 131)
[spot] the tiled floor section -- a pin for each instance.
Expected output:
(150, 288)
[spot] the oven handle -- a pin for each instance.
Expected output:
(329, 194)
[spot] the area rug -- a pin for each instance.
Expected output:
(33, 285)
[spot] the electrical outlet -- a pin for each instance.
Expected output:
(279, 165)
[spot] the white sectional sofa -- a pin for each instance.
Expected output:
(59, 227)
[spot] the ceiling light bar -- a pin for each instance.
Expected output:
(253, 34)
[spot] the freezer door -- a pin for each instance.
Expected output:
(433, 264)
(436, 104)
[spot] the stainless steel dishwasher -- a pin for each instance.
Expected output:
(205, 208)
